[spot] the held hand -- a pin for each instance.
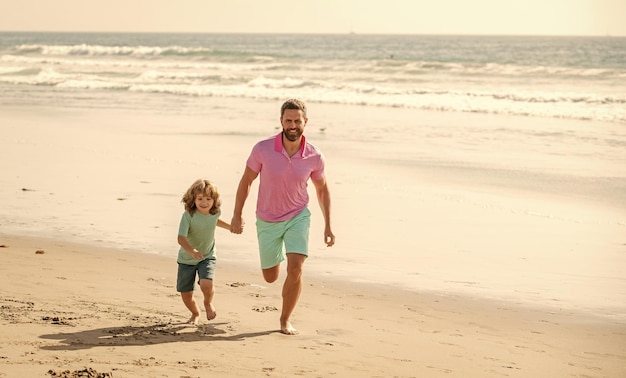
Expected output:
(236, 225)
(197, 255)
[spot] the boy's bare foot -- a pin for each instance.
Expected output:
(288, 329)
(210, 312)
(194, 319)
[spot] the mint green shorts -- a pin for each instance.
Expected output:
(292, 233)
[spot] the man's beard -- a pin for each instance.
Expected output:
(292, 137)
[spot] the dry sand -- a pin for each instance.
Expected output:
(66, 308)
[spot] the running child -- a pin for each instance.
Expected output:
(197, 253)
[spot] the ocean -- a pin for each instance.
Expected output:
(581, 78)
(535, 81)
(484, 138)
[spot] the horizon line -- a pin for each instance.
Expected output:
(316, 33)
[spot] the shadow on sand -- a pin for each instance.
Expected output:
(145, 335)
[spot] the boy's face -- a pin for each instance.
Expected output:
(204, 203)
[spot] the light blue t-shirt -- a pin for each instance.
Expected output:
(200, 232)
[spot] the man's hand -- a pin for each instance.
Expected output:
(236, 225)
(329, 237)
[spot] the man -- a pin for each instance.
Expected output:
(285, 163)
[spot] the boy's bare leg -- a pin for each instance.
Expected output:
(207, 289)
(191, 304)
(291, 291)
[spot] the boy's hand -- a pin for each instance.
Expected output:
(197, 255)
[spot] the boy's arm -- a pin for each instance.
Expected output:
(222, 224)
(183, 242)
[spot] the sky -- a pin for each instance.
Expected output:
(484, 17)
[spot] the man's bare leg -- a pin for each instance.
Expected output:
(208, 291)
(291, 291)
(191, 304)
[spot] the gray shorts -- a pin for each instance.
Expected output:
(205, 269)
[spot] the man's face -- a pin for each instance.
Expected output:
(293, 122)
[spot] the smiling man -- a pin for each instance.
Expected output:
(285, 163)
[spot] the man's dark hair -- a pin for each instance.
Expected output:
(293, 103)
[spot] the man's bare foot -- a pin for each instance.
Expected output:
(288, 329)
(210, 312)
(194, 319)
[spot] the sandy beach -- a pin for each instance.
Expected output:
(70, 308)
(438, 271)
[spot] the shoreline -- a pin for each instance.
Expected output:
(62, 310)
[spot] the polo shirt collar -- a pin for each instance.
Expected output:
(278, 144)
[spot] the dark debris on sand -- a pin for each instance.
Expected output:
(86, 373)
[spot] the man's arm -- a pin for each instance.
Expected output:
(323, 197)
(236, 224)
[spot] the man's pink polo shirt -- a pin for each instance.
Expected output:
(283, 179)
